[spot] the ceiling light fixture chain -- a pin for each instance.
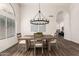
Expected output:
(39, 19)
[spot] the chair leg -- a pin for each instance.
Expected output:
(42, 50)
(30, 43)
(0, 53)
(34, 51)
(17, 45)
(26, 46)
(49, 47)
(57, 46)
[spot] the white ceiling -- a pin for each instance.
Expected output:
(49, 4)
(56, 6)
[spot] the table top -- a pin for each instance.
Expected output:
(30, 37)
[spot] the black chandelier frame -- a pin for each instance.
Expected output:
(41, 20)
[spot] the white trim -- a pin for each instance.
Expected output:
(6, 26)
(6, 14)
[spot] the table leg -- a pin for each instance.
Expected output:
(49, 45)
(26, 46)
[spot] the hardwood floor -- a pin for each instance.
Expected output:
(66, 48)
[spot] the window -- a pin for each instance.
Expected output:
(10, 27)
(38, 28)
(7, 27)
(42, 28)
(2, 27)
(34, 28)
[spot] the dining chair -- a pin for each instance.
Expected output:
(32, 41)
(38, 42)
(52, 43)
(20, 42)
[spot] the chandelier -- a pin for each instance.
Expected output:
(39, 19)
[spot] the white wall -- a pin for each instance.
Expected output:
(72, 24)
(28, 11)
(6, 43)
(74, 10)
(18, 18)
(67, 26)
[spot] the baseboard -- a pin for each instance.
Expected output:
(72, 41)
(10, 47)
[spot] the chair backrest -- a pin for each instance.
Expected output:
(38, 36)
(19, 35)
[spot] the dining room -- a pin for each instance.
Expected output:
(39, 29)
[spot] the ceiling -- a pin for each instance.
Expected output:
(48, 4)
(55, 6)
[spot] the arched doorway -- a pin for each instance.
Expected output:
(60, 23)
(63, 23)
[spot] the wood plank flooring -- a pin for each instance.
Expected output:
(65, 48)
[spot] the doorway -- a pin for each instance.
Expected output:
(60, 23)
(64, 24)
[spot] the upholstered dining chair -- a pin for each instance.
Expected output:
(20, 42)
(38, 42)
(52, 42)
(32, 41)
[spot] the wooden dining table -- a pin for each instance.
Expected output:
(27, 38)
